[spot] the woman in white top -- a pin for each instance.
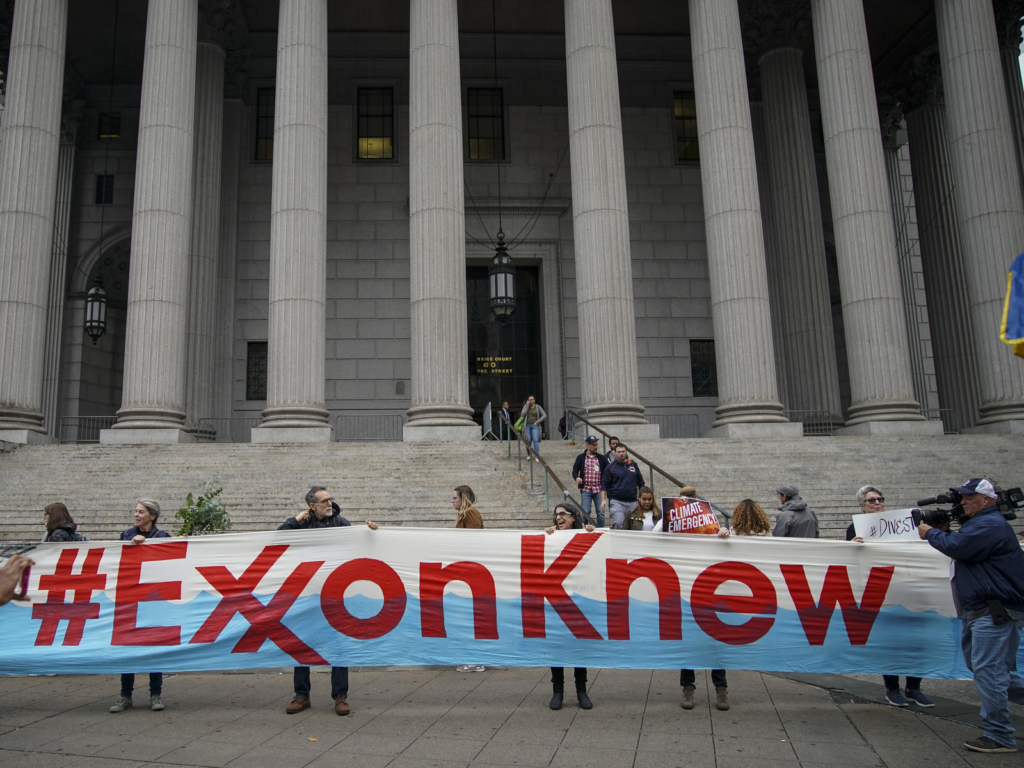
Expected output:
(645, 516)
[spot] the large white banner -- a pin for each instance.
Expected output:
(352, 596)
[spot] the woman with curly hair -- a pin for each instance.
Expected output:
(468, 516)
(748, 519)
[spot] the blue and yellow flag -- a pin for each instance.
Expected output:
(1012, 330)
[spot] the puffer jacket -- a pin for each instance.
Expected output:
(65, 533)
(796, 521)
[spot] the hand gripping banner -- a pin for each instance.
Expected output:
(352, 596)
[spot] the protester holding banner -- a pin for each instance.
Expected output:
(619, 485)
(11, 577)
(59, 525)
(563, 520)
(646, 516)
(795, 520)
(748, 519)
(147, 512)
(988, 591)
(468, 516)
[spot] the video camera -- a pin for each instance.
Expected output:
(1007, 501)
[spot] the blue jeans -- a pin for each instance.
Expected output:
(990, 652)
(593, 499)
(532, 434)
(156, 684)
(339, 682)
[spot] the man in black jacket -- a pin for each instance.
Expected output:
(620, 482)
(322, 512)
(587, 472)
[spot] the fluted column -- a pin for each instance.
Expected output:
(988, 195)
(881, 388)
(1008, 15)
(209, 127)
(224, 340)
(942, 260)
(610, 386)
(437, 244)
(747, 390)
(153, 394)
(295, 409)
(29, 149)
(808, 342)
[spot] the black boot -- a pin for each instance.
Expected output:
(583, 699)
(556, 699)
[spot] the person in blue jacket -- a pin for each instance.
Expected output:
(988, 590)
(620, 484)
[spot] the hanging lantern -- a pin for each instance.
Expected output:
(96, 310)
(503, 280)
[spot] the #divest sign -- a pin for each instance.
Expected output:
(352, 596)
(894, 525)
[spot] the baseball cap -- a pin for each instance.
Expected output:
(977, 485)
(591, 439)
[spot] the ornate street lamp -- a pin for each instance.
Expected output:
(502, 273)
(96, 310)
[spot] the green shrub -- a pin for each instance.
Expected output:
(204, 514)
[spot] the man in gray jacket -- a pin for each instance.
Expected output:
(795, 520)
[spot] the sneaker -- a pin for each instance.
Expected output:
(156, 704)
(896, 698)
(722, 698)
(687, 702)
(123, 703)
(985, 744)
(915, 695)
(470, 668)
(298, 704)
(341, 705)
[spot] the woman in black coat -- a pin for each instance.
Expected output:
(59, 525)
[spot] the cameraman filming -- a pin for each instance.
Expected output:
(988, 591)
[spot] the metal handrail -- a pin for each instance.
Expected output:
(83, 429)
(650, 464)
(950, 424)
(548, 472)
(814, 423)
(358, 426)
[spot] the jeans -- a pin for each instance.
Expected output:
(593, 499)
(990, 652)
(558, 679)
(532, 434)
(687, 677)
(892, 683)
(618, 510)
(339, 682)
(156, 684)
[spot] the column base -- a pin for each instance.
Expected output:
(144, 436)
(324, 434)
(627, 432)
(757, 429)
(893, 429)
(411, 433)
(1010, 427)
(26, 437)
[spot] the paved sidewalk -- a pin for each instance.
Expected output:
(440, 718)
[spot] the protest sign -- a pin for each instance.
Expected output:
(687, 515)
(401, 596)
(893, 525)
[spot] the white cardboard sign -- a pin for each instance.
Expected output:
(891, 525)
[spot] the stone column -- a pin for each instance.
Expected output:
(70, 121)
(437, 243)
(209, 126)
(988, 195)
(807, 338)
(882, 393)
(296, 324)
(1008, 15)
(747, 391)
(153, 394)
(29, 149)
(610, 386)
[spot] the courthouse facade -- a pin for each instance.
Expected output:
(747, 213)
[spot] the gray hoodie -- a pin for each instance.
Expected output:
(796, 521)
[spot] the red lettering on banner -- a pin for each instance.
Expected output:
(706, 604)
(131, 591)
(538, 585)
(77, 612)
(434, 578)
(836, 590)
(621, 574)
(332, 598)
(264, 621)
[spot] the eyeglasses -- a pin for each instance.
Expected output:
(875, 500)
(562, 514)
(328, 500)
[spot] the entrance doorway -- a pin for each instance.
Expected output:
(504, 358)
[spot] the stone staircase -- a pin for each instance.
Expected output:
(410, 484)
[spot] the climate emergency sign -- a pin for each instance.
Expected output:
(352, 596)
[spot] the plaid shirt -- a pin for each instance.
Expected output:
(591, 475)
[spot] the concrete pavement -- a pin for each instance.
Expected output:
(440, 718)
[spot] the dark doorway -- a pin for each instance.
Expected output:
(504, 358)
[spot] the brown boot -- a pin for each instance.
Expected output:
(341, 706)
(297, 705)
(687, 702)
(723, 698)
